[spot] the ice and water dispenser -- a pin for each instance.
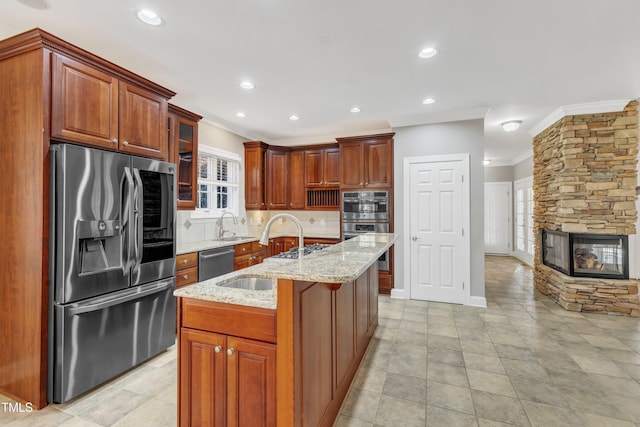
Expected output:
(100, 245)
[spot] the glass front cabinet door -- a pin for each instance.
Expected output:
(183, 145)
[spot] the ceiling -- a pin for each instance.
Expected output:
(497, 59)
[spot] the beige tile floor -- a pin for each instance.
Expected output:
(521, 361)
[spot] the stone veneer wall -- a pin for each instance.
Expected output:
(584, 181)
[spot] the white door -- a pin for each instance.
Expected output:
(497, 217)
(438, 254)
(524, 237)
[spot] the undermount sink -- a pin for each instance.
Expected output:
(235, 238)
(250, 283)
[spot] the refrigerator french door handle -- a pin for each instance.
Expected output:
(127, 214)
(159, 287)
(138, 217)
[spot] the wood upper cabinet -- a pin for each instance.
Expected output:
(93, 107)
(297, 192)
(255, 164)
(322, 167)
(84, 104)
(278, 179)
(142, 122)
(183, 151)
(366, 162)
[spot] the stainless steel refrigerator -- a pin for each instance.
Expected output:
(112, 265)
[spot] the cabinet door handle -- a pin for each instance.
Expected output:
(125, 143)
(217, 348)
(231, 351)
(360, 182)
(366, 184)
(114, 140)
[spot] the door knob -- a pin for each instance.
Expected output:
(414, 238)
(217, 348)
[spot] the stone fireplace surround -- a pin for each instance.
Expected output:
(584, 181)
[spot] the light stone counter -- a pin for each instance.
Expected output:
(203, 245)
(340, 263)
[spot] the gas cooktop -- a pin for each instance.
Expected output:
(293, 253)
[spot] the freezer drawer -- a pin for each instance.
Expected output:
(99, 338)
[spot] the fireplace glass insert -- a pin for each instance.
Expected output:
(586, 255)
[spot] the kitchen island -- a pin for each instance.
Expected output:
(284, 356)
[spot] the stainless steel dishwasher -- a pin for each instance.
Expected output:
(215, 262)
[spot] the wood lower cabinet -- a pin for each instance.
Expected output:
(93, 107)
(186, 269)
(224, 379)
(248, 254)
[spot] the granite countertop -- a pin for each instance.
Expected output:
(340, 263)
(203, 245)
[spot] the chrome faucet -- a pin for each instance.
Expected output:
(220, 224)
(264, 237)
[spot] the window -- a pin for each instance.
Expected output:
(524, 237)
(218, 183)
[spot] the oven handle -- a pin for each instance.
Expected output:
(157, 288)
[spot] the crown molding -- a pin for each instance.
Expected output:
(577, 109)
(440, 117)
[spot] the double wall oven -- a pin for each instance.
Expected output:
(366, 212)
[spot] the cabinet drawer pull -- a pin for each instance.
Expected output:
(231, 351)
(217, 348)
(184, 261)
(185, 277)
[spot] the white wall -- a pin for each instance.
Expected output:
(498, 173)
(523, 169)
(438, 139)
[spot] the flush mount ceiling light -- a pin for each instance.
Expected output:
(241, 115)
(486, 162)
(293, 117)
(428, 101)
(355, 109)
(36, 4)
(246, 85)
(428, 52)
(511, 125)
(149, 17)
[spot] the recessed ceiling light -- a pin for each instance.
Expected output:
(428, 101)
(149, 17)
(294, 117)
(486, 162)
(241, 115)
(246, 85)
(428, 52)
(511, 125)
(355, 109)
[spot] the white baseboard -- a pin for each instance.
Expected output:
(478, 301)
(399, 293)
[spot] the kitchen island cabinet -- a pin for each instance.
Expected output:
(318, 321)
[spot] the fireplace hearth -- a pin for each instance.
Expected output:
(586, 255)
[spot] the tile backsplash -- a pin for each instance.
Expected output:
(314, 223)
